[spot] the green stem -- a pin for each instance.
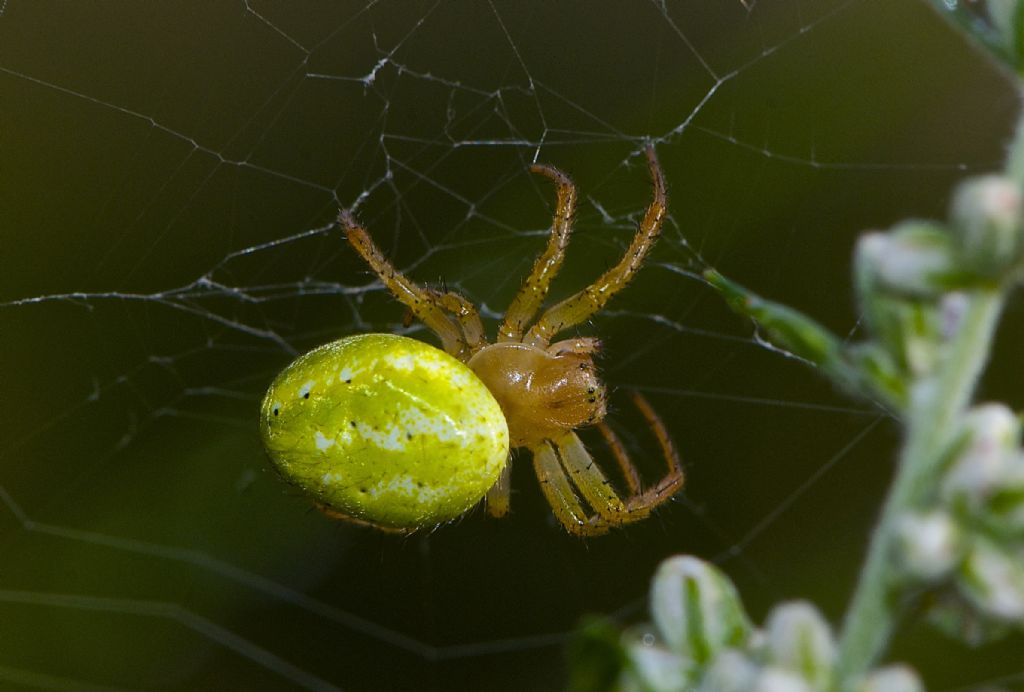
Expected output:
(982, 29)
(934, 412)
(1015, 155)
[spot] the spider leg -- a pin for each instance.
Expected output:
(423, 303)
(526, 303)
(568, 473)
(467, 316)
(579, 307)
(499, 496)
(674, 480)
(619, 452)
(640, 504)
(588, 478)
(560, 495)
(586, 345)
(341, 516)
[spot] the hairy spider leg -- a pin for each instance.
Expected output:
(467, 316)
(674, 480)
(341, 516)
(588, 478)
(564, 467)
(586, 345)
(499, 497)
(424, 304)
(554, 472)
(560, 494)
(579, 307)
(535, 288)
(621, 458)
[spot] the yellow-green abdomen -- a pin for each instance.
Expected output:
(385, 429)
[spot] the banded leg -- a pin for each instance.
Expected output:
(423, 302)
(530, 297)
(579, 307)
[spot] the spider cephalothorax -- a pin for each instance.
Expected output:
(543, 392)
(547, 389)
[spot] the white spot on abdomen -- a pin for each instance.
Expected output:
(322, 441)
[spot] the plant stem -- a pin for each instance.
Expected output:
(1015, 156)
(934, 411)
(980, 28)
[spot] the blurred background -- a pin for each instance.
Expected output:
(169, 175)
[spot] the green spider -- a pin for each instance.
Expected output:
(388, 431)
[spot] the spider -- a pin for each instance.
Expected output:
(545, 388)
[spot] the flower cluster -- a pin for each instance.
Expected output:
(968, 541)
(701, 639)
(930, 295)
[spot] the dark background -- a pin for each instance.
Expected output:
(168, 176)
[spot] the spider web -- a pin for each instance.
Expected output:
(169, 184)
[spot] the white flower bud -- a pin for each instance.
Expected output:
(800, 640)
(923, 391)
(992, 436)
(914, 260)
(654, 669)
(730, 672)
(696, 609)
(898, 276)
(993, 580)
(1007, 501)
(987, 224)
(952, 308)
(927, 545)
(898, 678)
(778, 680)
